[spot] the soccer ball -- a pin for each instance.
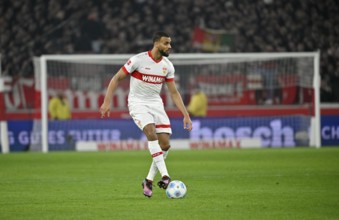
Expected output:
(176, 189)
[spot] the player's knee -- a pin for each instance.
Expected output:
(149, 131)
(164, 144)
(165, 147)
(151, 136)
(164, 141)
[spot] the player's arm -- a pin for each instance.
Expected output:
(176, 97)
(105, 107)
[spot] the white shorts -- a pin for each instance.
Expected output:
(151, 114)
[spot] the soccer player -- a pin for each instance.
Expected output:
(148, 71)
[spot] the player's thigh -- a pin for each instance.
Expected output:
(141, 115)
(144, 119)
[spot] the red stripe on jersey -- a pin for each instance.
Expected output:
(163, 126)
(125, 70)
(157, 154)
(154, 79)
(170, 80)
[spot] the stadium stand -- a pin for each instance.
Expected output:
(34, 27)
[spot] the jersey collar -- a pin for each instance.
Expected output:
(150, 55)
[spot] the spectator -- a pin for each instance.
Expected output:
(325, 91)
(94, 30)
(197, 106)
(59, 108)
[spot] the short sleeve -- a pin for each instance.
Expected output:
(130, 65)
(170, 74)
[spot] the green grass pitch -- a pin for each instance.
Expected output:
(300, 183)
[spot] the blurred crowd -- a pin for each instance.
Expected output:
(34, 27)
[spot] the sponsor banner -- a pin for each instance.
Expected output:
(20, 135)
(330, 130)
(21, 95)
(176, 144)
(121, 134)
(64, 135)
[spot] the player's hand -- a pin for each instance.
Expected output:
(105, 109)
(187, 124)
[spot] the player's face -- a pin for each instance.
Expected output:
(164, 46)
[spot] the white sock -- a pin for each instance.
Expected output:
(158, 157)
(153, 170)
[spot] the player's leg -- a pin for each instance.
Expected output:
(148, 119)
(145, 121)
(163, 130)
(165, 146)
(155, 149)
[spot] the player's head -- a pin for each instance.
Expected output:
(60, 94)
(162, 42)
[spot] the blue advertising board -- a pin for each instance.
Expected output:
(273, 131)
(330, 130)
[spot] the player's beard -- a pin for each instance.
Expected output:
(164, 53)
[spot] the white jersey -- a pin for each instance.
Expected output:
(147, 77)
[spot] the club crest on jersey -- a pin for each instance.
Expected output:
(164, 70)
(129, 62)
